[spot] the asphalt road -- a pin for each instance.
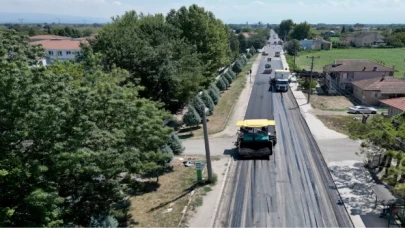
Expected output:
(293, 188)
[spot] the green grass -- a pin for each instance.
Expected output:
(389, 57)
(334, 39)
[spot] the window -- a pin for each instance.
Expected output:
(59, 53)
(374, 94)
(68, 53)
(50, 53)
(344, 75)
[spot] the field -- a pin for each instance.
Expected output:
(389, 57)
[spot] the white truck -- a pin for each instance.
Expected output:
(281, 80)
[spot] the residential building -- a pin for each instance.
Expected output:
(395, 105)
(340, 74)
(371, 91)
(60, 49)
(47, 37)
(316, 44)
(367, 39)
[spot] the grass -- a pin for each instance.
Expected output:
(217, 121)
(387, 56)
(150, 209)
(337, 123)
(330, 103)
(334, 39)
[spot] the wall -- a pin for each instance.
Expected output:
(393, 111)
(369, 99)
(369, 74)
(64, 55)
(308, 44)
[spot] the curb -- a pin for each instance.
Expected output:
(221, 193)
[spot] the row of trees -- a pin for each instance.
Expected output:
(387, 136)
(396, 38)
(291, 30)
(34, 30)
(210, 97)
(172, 57)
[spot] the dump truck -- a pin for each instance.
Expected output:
(267, 69)
(254, 138)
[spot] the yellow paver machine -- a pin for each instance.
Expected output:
(254, 138)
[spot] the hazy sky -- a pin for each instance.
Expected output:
(230, 11)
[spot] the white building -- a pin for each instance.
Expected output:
(60, 48)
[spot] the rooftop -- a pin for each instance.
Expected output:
(398, 103)
(358, 65)
(386, 85)
(48, 37)
(58, 44)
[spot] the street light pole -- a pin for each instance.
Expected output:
(207, 146)
(310, 80)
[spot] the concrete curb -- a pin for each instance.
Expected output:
(221, 193)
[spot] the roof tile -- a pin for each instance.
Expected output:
(398, 103)
(357, 65)
(388, 85)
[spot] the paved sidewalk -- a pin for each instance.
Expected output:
(351, 178)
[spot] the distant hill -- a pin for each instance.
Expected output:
(49, 18)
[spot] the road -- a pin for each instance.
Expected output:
(294, 187)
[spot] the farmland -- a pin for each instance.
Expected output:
(388, 57)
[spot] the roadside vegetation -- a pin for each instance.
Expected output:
(337, 123)
(79, 137)
(330, 103)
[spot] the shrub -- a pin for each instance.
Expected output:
(225, 81)
(216, 90)
(175, 144)
(252, 50)
(249, 55)
(232, 73)
(191, 118)
(305, 84)
(245, 59)
(237, 67)
(166, 149)
(221, 84)
(242, 60)
(213, 94)
(103, 221)
(228, 77)
(208, 102)
(199, 106)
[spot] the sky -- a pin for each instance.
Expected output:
(229, 11)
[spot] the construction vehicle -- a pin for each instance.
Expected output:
(254, 138)
(280, 74)
(267, 69)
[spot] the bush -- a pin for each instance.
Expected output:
(175, 144)
(232, 74)
(208, 102)
(221, 84)
(252, 50)
(245, 59)
(225, 81)
(305, 84)
(249, 55)
(191, 118)
(216, 90)
(237, 67)
(242, 60)
(213, 94)
(103, 221)
(166, 149)
(228, 77)
(199, 106)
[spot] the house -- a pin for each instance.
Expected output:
(395, 105)
(371, 91)
(316, 44)
(367, 39)
(47, 37)
(60, 49)
(340, 74)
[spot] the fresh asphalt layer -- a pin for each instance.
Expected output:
(292, 189)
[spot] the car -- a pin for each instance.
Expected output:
(362, 110)
(267, 66)
(277, 54)
(267, 69)
(265, 54)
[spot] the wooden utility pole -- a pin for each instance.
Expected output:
(207, 146)
(310, 77)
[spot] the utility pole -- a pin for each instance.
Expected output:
(207, 146)
(310, 80)
(250, 75)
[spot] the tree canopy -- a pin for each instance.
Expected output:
(285, 27)
(301, 31)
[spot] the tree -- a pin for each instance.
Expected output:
(232, 74)
(242, 43)
(166, 65)
(209, 103)
(175, 144)
(221, 84)
(249, 55)
(343, 29)
(252, 50)
(191, 118)
(213, 94)
(225, 81)
(101, 221)
(293, 46)
(237, 67)
(285, 27)
(32, 32)
(301, 31)
(228, 77)
(87, 32)
(207, 33)
(199, 105)
(351, 29)
(233, 45)
(305, 84)
(258, 41)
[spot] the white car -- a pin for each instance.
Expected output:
(362, 110)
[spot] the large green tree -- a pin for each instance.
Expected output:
(301, 31)
(285, 27)
(155, 54)
(242, 43)
(209, 34)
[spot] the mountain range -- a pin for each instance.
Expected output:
(49, 18)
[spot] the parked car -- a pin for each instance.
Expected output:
(362, 110)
